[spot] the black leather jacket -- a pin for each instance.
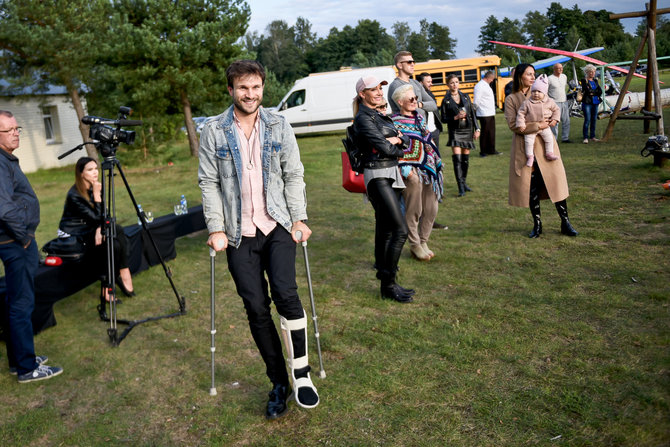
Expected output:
(371, 129)
(79, 217)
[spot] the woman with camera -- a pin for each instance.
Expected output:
(382, 145)
(82, 218)
(456, 110)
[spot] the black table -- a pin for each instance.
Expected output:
(53, 283)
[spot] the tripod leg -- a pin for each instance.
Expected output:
(212, 255)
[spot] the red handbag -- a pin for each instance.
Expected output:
(351, 181)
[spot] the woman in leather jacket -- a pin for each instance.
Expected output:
(82, 217)
(591, 92)
(382, 145)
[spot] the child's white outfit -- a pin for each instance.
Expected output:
(537, 111)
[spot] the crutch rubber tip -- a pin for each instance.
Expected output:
(322, 374)
(212, 391)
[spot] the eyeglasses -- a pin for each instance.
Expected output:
(12, 130)
(407, 62)
(412, 99)
(383, 106)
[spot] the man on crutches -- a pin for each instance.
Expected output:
(253, 197)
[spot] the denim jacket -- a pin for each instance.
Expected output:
(19, 207)
(220, 174)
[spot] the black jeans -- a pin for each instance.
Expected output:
(273, 255)
(390, 224)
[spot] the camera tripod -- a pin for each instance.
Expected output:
(109, 232)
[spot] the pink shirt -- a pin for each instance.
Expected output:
(254, 209)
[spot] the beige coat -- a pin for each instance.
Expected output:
(553, 172)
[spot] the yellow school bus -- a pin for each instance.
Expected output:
(469, 72)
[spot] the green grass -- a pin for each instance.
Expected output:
(510, 341)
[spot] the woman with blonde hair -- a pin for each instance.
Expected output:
(591, 93)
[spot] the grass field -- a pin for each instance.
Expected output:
(510, 341)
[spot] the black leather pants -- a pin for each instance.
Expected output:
(390, 225)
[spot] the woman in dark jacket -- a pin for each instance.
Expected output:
(82, 217)
(457, 111)
(591, 92)
(382, 145)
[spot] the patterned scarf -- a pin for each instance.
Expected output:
(422, 152)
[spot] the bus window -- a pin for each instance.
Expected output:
(470, 76)
(437, 78)
(458, 74)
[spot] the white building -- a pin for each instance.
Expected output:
(50, 126)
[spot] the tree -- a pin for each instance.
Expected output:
(278, 52)
(401, 32)
(440, 43)
(175, 52)
(535, 25)
(51, 42)
(490, 31)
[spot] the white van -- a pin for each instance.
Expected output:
(323, 101)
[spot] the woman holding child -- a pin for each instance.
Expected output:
(545, 179)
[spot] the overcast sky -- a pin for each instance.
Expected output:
(464, 18)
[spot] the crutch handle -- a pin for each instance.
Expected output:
(298, 235)
(212, 252)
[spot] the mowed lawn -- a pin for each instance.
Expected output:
(510, 341)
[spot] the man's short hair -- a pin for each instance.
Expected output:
(239, 69)
(490, 74)
(422, 75)
(400, 54)
(6, 113)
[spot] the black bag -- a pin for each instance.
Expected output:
(69, 248)
(356, 156)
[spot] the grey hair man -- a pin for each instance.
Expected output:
(557, 88)
(485, 109)
(19, 217)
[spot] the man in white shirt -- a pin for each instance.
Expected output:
(557, 84)
(485, 109)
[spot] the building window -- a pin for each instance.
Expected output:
(51, 127)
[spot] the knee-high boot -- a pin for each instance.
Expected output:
(566, 227)
(534, 205)
(458, 173)
(465, 164)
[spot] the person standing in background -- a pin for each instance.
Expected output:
(558, 83)
(485, 109)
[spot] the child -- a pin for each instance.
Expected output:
(539, 107)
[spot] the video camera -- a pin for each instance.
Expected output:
(106, 137)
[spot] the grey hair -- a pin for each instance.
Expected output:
(400, 92)
(6, 113)
(589, 67)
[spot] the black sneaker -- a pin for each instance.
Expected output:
(567, 141)
(42, 372)
(40, 359)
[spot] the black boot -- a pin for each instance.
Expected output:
(391, 290)
(458, 173)
(534, 205)
(566, 227)
(277, 402)
(465, 164)
(404, 291)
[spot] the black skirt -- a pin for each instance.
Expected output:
(461, 137)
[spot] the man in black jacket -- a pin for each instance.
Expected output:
(19, 217)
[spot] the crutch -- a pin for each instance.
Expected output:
(212, 255)
(322, 372)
